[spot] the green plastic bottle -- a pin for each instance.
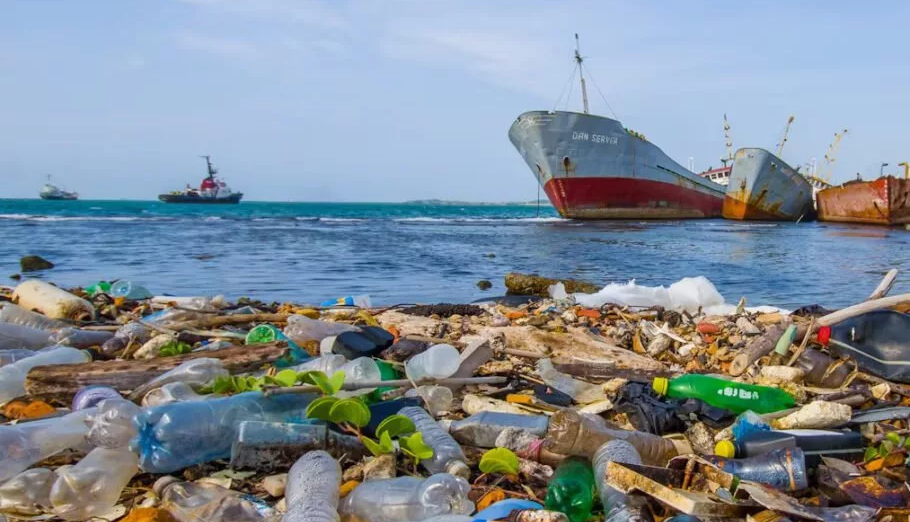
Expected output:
(729, 395)
(571, 490)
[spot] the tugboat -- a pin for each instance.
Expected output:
(211, 190)
(53, 192)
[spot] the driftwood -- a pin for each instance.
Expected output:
(222, 320)
(62, 381)
(885, 286)
(602, 371)
(864, 307)
(763, 346)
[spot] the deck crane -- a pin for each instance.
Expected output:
(729, 156)
(783, 140)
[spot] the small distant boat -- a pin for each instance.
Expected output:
(884, 201)
(211, 190)
(53, 192)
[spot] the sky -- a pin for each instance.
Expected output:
(391, 100)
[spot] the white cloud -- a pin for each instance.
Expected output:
(225, 47)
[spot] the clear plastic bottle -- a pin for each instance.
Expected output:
(408, 499)
(18, 337)
(581, 392)
(28, 493)
(174, 392)
(448, 456)
(203, 502)
(481, 429)
(90, 396)
(198, 372)
(93, 486)
(129, 290)
(440, 361)
(126, 334)
(617, 506)
(312, 491)
(78, 338)
(174, 436)
(12, 376)
(302, 329)
(110, 425)
(17, 354)
(14, 314)
(437, 398)
(327, 364)
(24, 444)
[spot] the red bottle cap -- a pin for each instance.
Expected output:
(824, 335)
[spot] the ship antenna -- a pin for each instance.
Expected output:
(581, 75)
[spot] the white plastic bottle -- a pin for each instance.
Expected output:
(439, 361)
(52, 301)
(312, 491)
(93, 486)
(12, 376)
(448, 456)
(408, 499)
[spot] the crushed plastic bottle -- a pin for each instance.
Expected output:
(408, 499)
(17, 354)
(198, 372)
(18, 337)
(14, 314)
(126, 334)
(783, 469)
(580, 391)
(53, 302)
(174, 392)
(440, 361)
(110, 425)
(12, 376)
(78, 338)
(571, 490)
(24, 444)
(482, 429)
(729, 395)
(28, 493)
(93, 486)
(312, 491)
(205, 502)
(89, 396)
(263, 445)
(129, 290)
(437, 398)
(302, 329)
(174, 436)
(617, 506)
(448, 456)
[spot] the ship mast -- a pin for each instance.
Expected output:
(581, 75)
(729, 142)
(212, 170)
(780, 148)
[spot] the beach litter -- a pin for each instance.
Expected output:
(569, 402)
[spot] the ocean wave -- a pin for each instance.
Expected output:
(37, 217)
(341, 220)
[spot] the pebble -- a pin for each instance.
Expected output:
(274, 484)
(746, 327)
(381, 467)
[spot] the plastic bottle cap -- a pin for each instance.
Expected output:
(459, 469)
(824, 335)
(661, 385)
(725, 449)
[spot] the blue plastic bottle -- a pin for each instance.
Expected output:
(180, 434)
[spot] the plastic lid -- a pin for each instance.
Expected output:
(661, 385)
(824, 335)
(459, 469)
(725, 449)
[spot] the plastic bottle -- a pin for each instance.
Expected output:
(312, 491)
(817, 365)
(481, 429)
(126, 334)
(264, 445)
(440, 361)
(408, 499)
(90, 396)
(302, 329)
(437, 398)
(52, 301)
(17, 337)
(447, 454)
(844, 445)
(80, 338)
(17, 354)
(729, 395)
(110, 425)
(12, 376)
(783, 469)
(24, 444)
(174, 436)
(327, 364)
(877, 340)
(195, 372)
(93, 486)
(783, 346)
(617, 506)
(500, 510)
(573, 433)
(571, 490)
(580, 391)
(129, 290)
(28, 493)
(204, 502)
(173, 392)
(14, 314)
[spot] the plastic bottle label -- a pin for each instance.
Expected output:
(743, 394)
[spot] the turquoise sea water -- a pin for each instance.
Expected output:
(398, 253)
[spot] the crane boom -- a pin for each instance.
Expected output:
(827, 168)
(780, 148)
(729, 142)
(906, 169)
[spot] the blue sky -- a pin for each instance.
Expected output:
(387, 100)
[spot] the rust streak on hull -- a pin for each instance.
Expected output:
(884, 201)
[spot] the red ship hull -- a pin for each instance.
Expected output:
(884, 201)
(630, 198)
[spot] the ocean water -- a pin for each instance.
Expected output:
(399, 253)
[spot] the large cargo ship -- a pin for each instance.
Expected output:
(591, 167)
(212, 190)
(884, 201)
(764, 187)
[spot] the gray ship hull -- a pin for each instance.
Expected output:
(763, 187)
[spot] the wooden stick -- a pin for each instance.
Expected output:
(861, 308)
(802, 346)
(885, 286)
(757, 349)
(397, 383)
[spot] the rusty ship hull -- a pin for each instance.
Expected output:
(591, 167)
(763, 187)
(884, 201)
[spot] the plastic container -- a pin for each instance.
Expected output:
(90, 396)
(12, 376)
(195, 372)
(28, 493)
(481, 429)
(360, 301)
(312, 493)
(302, 329)
(616, 504)
(438, 399)
(581, 392)
(16, 354)
(783, 346)
(174, 436)
(110, 425)
(129, 290)
(24, 444)
(93, 486)
(816, 365)
(729, 395)
(52, 301)
(783, 469)
(573, 433)
(844, 445)
(14, 314)
(408, 499)
(440, 361)
(265, 445)
(205, 502)
(366, 343)
(80, 338)
(17, 337)
(571, 489)
(448, 456)
(174, 392)
(878, 341)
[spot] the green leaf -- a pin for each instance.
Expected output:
(239, 383)
(375, 448)
(286, 378)
(906, 443)
(222, 384)
(386, 442)
(885, 448)
(499, 460)
(870, 455)
(336, 381)
(396, 425)
(415, 447)
(351, 411)
(254, 383)
(320, 408)
(174, 348)
(316, 378)
(894, 437)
